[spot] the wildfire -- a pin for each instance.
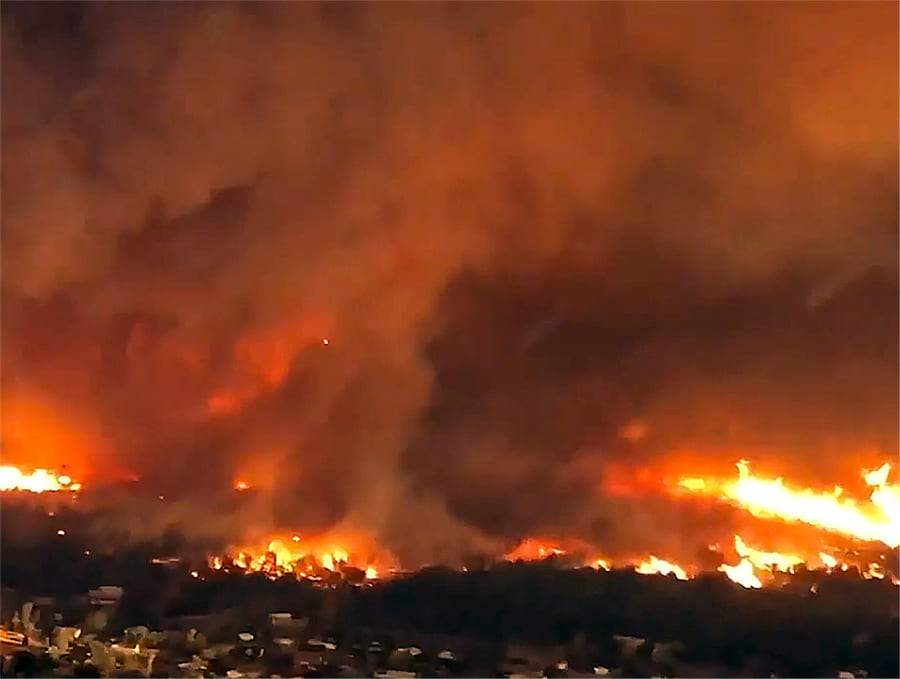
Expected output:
(295, 556)
(767, 560)
(876, 520)
(693, 484)
(39, 481)
(755, 561)
(742, 574)
(531, 549)
(754, 568)
(300, 558)
(874, 571)
(828, 560)
(655, 565)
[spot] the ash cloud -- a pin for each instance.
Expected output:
(520, 227)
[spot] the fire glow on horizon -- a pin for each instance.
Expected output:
(755, 566)
(38, 481)
(876, 520)
(772, 500)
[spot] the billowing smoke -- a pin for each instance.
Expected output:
(432, 271)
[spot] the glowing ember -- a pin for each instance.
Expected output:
(39, 481)
(241, 485)
(874, 571)
(655, 565)
(879, 519)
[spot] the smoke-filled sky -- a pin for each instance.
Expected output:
(544, 243)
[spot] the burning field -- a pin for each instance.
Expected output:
(813, 530)
(836, 532)
(347, 291)
(548, 607)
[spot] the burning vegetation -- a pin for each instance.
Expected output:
(38, 481)
(845, 533)
(445, 289)
(464, 312)
(298, 557)
(875, 520)
(844, 528)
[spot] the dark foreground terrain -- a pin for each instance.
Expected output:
(510, 619)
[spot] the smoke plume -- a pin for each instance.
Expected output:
(434, 270)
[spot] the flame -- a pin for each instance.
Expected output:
(742, 574)
(300, 558)
(693, 484)
(40, 433)
(828, 511)
(655, 565)
(241, 485)
(879, 519)
(780, 562)
(532, 549)
(754, 561)
(874, 571)
(877, 477)
(828, 560)
(39, 481)
(305, 559)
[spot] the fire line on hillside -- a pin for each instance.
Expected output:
(830, 513)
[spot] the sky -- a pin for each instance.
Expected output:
(445, 271)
